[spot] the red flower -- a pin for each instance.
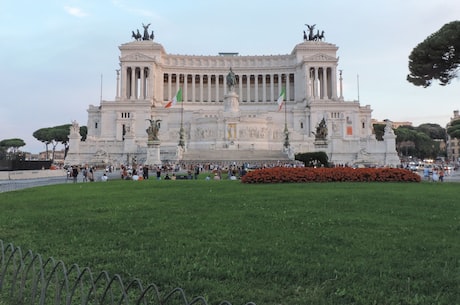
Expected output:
(308, 174)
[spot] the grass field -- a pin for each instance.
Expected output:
(318, 243)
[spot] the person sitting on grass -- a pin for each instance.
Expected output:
(104, 178)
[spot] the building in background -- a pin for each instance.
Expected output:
(453, 144)
(229, 107)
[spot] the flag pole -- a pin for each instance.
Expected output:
(286, 131)
(181, 130)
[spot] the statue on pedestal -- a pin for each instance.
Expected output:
(321, 130)
(75, 128)
(231, 80)
(153, 130)
(388, 127)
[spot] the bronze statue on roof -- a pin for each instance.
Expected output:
(138, 36)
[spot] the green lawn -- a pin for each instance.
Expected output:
(291, 244)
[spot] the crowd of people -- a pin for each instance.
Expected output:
(195, 170)
(206, 170)
(87, 173)
(434, 174)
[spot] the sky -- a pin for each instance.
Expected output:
(57, 57)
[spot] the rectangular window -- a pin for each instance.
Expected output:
(349, 130)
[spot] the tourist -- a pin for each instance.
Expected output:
(167, 177)
(441, 175)
(74, 174)
(145, 172)
(91, 174)
(135, 176)
(85, 174)
(216, 176)
(123, 172)
(173, 176)
(158, 173)
(104, 178)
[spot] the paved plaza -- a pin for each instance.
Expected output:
(12, 185)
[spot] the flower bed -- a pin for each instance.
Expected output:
(337, 174)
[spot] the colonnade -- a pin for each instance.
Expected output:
(135, 82)
(320, 83)
(205, 87)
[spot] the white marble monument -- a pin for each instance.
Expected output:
(228, 111)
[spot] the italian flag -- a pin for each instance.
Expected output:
(281, 99)
(176, 99)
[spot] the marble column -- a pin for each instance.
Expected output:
(256, 87)
(193, 88)
(133, 83)
(272, 88)
(201, 88)
(264, 88)
(142, 80)
(324, 85)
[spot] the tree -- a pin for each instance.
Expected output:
(57, 134)
(454, 129)
(54, 136)
(417, 142)
(313, 159)
(379, 131)
(61, 135)
(10, 147)
(44, 135)
(437, 57)
(434, 131)
(83, 132)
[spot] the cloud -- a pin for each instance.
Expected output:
(133, 10)
(75, 11)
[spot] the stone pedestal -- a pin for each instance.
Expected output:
(153, 153)
(231, 102)
(73, 155)
(320, 143)
(389, 138)
(290, 152)
(180, 152)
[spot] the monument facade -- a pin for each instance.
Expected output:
(229, 107)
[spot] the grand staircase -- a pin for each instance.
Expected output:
(235, 155)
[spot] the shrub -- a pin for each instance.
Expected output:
(337, 174)
(312, 159)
